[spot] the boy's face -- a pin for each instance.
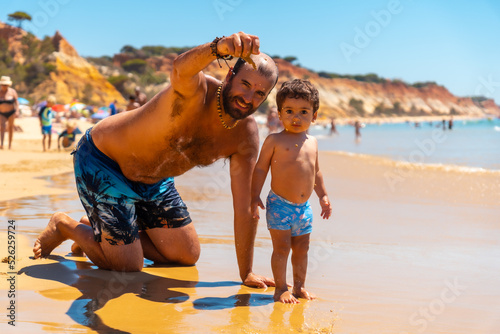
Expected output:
(297, 115)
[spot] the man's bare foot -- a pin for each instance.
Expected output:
(285, 297)
(76, 250)
(49, 239)
(303, 293)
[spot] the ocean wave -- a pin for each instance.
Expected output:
(417, 166)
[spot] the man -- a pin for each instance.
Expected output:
(140, 97)
(125, 180)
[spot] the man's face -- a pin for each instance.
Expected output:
(244, 92)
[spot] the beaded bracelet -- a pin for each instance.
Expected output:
(213, 47)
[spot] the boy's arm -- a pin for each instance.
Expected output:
(187, 76)
(320, 189)
(260, 174)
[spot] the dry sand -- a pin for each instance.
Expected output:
(409, 250)
(24, 167)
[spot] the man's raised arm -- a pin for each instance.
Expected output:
(187, 74)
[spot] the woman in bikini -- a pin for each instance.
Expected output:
(8, 109)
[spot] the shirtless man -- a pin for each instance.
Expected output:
(125, 180)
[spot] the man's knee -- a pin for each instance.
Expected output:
(123, 258)
(125, 267)
(60, 217)
(191, 255)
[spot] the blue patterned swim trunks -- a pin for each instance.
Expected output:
(117, 207)
(282, 214)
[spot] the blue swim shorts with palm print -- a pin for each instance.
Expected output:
(282, 214)
(117, 207)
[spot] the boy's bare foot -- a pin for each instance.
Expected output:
(303, 293)
(285, 297)
(49, 239)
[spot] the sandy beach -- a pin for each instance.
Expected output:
(409, 249)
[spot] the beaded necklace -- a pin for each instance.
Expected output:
(219, 110)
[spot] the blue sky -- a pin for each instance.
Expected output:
(454, 43)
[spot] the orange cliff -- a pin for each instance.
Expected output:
(73, 78)
(336, 95)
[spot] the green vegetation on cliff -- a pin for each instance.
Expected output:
(34, 67)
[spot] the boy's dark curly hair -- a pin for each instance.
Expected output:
(298, 89)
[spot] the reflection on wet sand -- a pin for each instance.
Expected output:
(98, 287)
(387, 252)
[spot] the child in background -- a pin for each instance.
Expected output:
(46, 116)
(292, 156)
(68, 136)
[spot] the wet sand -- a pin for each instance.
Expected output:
(409, 250)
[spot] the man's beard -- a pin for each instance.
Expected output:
(228, 100)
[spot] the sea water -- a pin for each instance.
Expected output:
(470, 143)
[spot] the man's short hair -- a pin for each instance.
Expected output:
(265, 71)
(298, 89)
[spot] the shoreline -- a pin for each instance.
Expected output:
(25, 168)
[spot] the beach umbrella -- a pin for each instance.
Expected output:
(89, 108)
(59, 108)
(101, 113)
(99, 116)
(103, 110)
(22, 100)
(77, 106)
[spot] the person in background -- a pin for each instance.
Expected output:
(140, 97)
(112, 108)
(46, 116)
(273, 121)
(357, 130)
(132, 104)
(9, 108)
(333, 128)
(68, 136)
